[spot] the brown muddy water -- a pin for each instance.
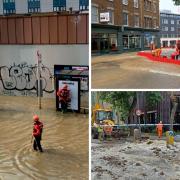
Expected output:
(64, 140)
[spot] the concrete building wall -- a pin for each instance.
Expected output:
(24, 58)
(72, 3)
(46, 6)
(21, 7)
(1, 7)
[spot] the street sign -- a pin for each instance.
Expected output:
(138, 112)
(104, 17)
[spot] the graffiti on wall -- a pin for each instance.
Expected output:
(23, 77)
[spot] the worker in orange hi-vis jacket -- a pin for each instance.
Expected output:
(159, 129)
(108, 131)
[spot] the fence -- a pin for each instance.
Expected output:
(46, 29)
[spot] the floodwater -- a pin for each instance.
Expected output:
(129, 71)
(64, 140)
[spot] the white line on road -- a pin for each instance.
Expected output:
(165, 73)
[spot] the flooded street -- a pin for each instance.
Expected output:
(64, 140)
(129, 71)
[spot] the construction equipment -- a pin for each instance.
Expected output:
(101, 116)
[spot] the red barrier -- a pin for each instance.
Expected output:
(159, 59)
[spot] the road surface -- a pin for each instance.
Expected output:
(124, 159)
(129, 71)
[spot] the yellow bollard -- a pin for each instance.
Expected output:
(169, 138)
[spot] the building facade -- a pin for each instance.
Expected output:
(159, 112)
(31, 26)
(170, 28)
(124, 25)
(36, 6)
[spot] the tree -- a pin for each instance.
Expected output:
(126, 102)
(173, 110)
(176, 2)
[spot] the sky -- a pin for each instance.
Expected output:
(168, 5)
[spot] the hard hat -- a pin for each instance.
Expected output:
(35, 117)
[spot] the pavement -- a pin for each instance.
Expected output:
(130, 71)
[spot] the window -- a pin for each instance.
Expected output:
(125, 18)
(147, 5)
(125, 2)
(148, 22)
(136, 21)
(155, 23)
(164, 28)
(83, 5)
(94, 14)
(9, 6)
(172, 21)
(154, 7)
(165, 21)
(178, 21)
(131, 41)
(172, 28)
(59, 5)
(111, 16)
(136, 3)
(33, 6)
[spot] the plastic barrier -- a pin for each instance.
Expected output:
(159, 59)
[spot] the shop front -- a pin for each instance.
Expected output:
(116, 39)
(104, 40)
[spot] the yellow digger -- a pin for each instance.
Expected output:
(100, 116)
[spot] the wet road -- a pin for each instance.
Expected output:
(129, 71)
(65, 142)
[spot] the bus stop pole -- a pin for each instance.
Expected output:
(38, 76)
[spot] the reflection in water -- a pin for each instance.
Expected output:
(65, 141)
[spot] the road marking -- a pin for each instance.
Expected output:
(165, 73)
(151, 71)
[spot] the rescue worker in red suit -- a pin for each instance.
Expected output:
(64, 97)
(37, 133)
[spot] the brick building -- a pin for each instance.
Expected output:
(170, 28)
(124, 25)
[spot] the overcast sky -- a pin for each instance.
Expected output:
(168, 5)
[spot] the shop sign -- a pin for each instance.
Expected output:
(104, 17)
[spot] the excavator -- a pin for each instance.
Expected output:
(100, 116)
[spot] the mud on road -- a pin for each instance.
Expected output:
(65, 142)
(123, 159)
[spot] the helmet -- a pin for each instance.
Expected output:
(35, 117)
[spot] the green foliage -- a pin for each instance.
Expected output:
(176, 2)
(122, 101)
(119, 100)
(152, 98)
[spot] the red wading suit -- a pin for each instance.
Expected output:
(37, 133)
(64, 97)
